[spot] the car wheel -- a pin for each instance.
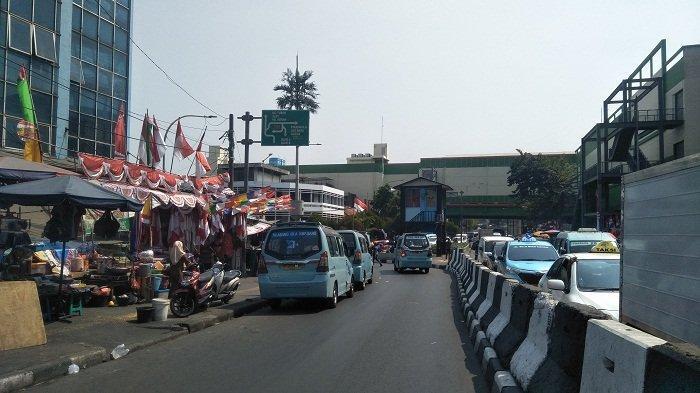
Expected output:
(351, 290)
(332, 302)
(396, 269)
(361, 285)
(426, 270)
(275, 304)
(371, 276)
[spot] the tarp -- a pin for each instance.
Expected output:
(16, 169)
(54, 191)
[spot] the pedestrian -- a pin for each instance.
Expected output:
(178, 262)
(377, 250)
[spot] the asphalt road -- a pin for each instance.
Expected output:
(401, 334)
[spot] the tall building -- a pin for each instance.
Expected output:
(78, 60)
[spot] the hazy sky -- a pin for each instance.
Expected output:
(450, 77)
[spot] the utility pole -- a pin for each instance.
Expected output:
(231, 143)
(246, 141)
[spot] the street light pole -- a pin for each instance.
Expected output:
(165, 137)
(246, 141)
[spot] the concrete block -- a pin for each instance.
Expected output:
(673, 368)
(504, 382)
(515, 331)
(615, 357)
(503, 317)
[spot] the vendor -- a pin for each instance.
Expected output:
(178, 262)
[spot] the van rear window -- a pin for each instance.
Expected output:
(416, 241)
(293, 243)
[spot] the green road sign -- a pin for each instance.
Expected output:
(285, 128)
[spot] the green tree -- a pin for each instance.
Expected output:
(545, 186)
(386, 202)
(298, 92)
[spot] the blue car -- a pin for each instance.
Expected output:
(304, 260)
(526, 260)
(358, 252)
(412, 251)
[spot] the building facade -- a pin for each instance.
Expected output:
(77, 55)
(651, 117)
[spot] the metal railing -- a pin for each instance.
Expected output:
(643, 115)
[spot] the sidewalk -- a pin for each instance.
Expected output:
(89, 339)
(440, 262)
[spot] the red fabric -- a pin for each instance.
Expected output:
(153, 176)
(116, 167)
(134, 170)
(170, 179)
(92, 163)
(119, 137)
(182, 147)
(154, 145)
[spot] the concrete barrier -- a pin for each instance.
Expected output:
(621, 358)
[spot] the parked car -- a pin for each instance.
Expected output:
(432, 239)
(591, 278)
(527, 259)
(304, 260)
(571, 242)
(358, 252)
(460, 238)
(412, 251)
(485, 247)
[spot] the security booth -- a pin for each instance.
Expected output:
(422, 204)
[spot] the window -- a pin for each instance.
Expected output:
(349, 240)
(104, 81)
(89, 76)
(89, 50)
(45, 13)
(598, 274)
(45, 138)
(678, 104)
(21, 8)
(87, 146)
(74, 97)
(293, 243)
(20, 35)
(87, 127)
(42, 76)
(75, 44)
(120, 63)
(121, 40)
(42, 106)
(125, 3)
(3, 29)
(11, 137)
(678, 150)
(104, 106)
(106, 32)
(77, 18)
(103, 131)
(332, 246)
(87, 102)
(120, 88)
(76, 70)
(89, 25)
(107, 9)
(91, 5)
(105, 58)
(103, 150)
(121, 17)
(44, 43)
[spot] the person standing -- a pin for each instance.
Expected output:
(178, 261)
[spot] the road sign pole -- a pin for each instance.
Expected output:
(246, 141)
(296, 185)
(231, 143)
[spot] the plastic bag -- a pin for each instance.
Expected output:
(119, 351)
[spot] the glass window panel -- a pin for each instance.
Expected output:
(120, 87)
(76, 71)
(125, 3)
(121, 40)
(20, 35)
(107, 9)
(14, 61)
(91, 5)
(22, 8)
(55, 105)
(121, 63)
(3, 5)
(87, 146)
(116, 104)
(104, 81)
(90, 25)
(103, 150)
(77, 18)
(45, 13)
(75, 45)
(87, 102)
(73, 123)
(45, 138)
(121, 17)
(74, 97)
(11, 138)
(42, 76)
(103, 131)
(42, 106)
(105, 57)
(2, 97)
(104, 106)
(87, 127)
(12, 104)
(106, 32)
(89, 76)
(89, 50)
(45, 43)
(3, 29)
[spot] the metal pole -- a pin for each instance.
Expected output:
(247, 118)
(296, 185)
(231, 143)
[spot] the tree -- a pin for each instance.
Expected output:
(298, 92)
(545, 186)
(386, 202)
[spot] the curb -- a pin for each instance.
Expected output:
(50, 370)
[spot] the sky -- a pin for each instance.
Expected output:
(448, 77)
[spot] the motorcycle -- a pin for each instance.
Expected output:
(199, 290)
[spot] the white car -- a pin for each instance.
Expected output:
(432, 238)
(587, 278)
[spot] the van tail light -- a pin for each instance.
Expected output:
(403, 253)
(323, 262)
(358, 257)
(262, 266)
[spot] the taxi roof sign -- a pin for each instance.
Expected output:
(606, 246)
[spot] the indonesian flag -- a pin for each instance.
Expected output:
(360, 205)
(158, 145)
(146, 146)
(182, 147)
(119, 137)
(200, 161)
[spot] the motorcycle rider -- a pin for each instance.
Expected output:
(178, 262)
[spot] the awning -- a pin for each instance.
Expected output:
(14, 169)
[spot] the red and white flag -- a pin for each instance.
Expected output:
(119, 138)
(182, 147)
(201, 164)
(360, 205)
(158, 145)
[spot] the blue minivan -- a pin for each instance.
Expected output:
(304, 260)
(412, 251)
(358, 252)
